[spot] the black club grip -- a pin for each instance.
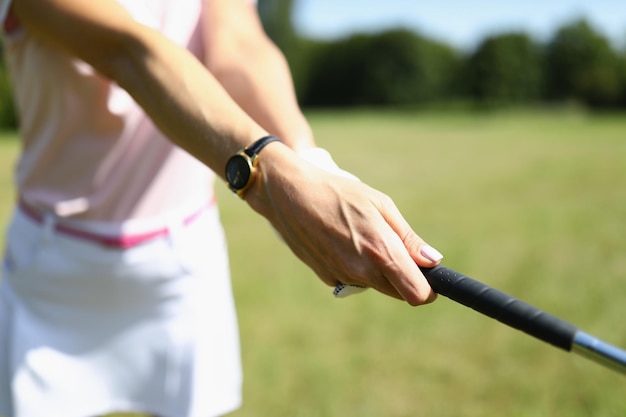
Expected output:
(500, 306)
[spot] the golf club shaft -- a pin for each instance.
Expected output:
(522, 316)
(599, 351)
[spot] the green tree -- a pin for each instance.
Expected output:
(395, 67)
(504, 69)
(581, 65)
(8, 117)
(622, 77)
(276, 16)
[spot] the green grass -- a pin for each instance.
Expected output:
(531, 203)
(8, 153)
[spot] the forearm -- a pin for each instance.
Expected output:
(254, 71)
(264, 90)
(187, 103)
(175, 90)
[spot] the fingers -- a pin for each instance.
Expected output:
(402, 272)
(364, 270)
(405, 274)
(421, 252)
(381, 252)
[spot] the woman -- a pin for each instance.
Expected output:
(115, 293)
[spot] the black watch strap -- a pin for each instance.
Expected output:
(256, 147)
(241, 167)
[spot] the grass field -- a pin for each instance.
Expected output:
(532, 203)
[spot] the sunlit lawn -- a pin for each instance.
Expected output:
(532, 203)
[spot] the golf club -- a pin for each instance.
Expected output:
(517, 314)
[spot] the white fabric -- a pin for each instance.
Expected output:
(322, 159)
(86, 330)
(344, 290)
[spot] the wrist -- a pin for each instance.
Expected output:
(276, 165)
(241, 169)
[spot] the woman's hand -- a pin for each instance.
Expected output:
(344, 230)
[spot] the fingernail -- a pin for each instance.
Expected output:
(431, 253)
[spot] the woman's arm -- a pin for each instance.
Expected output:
(342, 229)
(186, 102)
(253, 70)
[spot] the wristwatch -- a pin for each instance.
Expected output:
(241, 167)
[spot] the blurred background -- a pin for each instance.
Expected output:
(420, 53)
(446, 53)
(499, 130)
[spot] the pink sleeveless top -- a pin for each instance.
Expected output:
(90, 153)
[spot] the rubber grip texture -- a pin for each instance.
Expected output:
(501, 306)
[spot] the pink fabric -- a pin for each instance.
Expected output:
(90, 152)
(122, 241)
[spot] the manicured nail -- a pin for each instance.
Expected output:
(431, 253)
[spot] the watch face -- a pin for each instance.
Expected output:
(238, 172)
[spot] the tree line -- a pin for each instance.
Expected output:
(400, 67)
(403, 68)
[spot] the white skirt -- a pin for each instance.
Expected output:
(87, 330)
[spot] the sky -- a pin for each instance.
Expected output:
(460, 23)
